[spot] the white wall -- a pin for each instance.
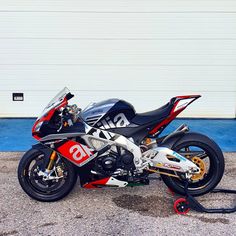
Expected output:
(144, 51)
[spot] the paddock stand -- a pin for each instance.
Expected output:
(183, 205)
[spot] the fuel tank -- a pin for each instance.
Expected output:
(108, 114)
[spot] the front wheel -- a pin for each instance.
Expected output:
(35, 183)
(205, 153)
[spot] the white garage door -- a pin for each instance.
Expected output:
(143, 51)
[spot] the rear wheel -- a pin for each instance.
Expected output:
(32, 178)
(206, 154)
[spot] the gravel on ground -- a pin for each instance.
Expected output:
(144, 210)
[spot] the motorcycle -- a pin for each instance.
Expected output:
(108, 144)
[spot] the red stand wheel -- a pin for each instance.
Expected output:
(181, 206)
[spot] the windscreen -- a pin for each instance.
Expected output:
(56, 100)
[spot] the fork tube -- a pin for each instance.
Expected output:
(53, 157)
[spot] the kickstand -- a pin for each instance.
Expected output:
(183, 205)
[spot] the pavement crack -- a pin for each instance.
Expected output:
(78, 216)
(8, 233)
(48, 224)
(212, 220)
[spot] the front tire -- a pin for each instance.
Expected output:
(215, 163)
(50, 190)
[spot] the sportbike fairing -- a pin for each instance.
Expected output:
(103, 124)
(47, 123)
(120, 117)
(110, 144)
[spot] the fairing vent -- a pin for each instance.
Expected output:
(92, 120)
(96, 143)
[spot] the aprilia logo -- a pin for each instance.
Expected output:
(75, 152)
(78, 153)
(119, 121)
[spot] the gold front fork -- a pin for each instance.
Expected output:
(53, 157)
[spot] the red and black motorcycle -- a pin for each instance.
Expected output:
(109, 144)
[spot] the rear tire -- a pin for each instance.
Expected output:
(216, 165)
(35, 187)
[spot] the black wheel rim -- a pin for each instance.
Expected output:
(48, 187)
(206, 155)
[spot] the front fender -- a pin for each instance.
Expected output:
(47, 151)
(42, 148)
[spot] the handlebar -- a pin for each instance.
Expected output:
(69, 115)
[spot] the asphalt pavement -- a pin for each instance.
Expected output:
(144, 210)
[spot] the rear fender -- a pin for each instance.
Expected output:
(180, 137)
(171, 141)
(193, 136)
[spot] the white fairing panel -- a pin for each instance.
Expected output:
(183, 103)
(115, 182)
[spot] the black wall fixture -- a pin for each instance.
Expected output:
(17, 96)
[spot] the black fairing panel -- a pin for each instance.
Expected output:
(137, 132)
(120, 110)
(78, 127)
(108, 114)
(119, 117)
(98, 109)
(142, 123)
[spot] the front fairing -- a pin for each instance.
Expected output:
(44, 125)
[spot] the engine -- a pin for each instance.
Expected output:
(115, 162)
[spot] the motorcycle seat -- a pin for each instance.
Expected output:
(153, 116)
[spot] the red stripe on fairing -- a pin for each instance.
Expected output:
(167, 120)
(97, 182)
(174, 113)
(189, 96)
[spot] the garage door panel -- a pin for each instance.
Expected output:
(120, 25)
(67, 47)
(105, 78)
(112, 52)
(120, 59)
(117, 6)
(141, 51)
(133, 59)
